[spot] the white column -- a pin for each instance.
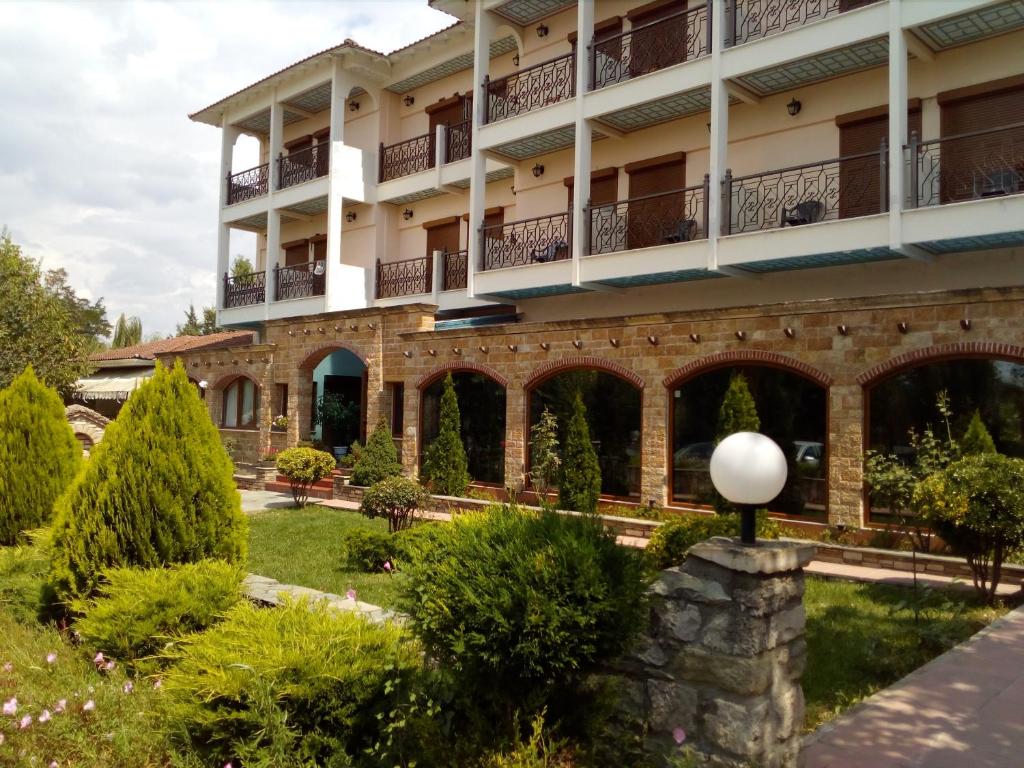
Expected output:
(581, 165)
(228, 137)
(482, 33)
(341, 85)
(276, 140)
(718, 156)
(273, 215)
(273, 252)
(897, 122)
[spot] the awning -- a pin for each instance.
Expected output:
(109, 387)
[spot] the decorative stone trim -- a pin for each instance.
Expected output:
(939, 351)
(226, 380)
(265, 591)
(549, 369)
(757, 356)
(320, 352)
(454, 366)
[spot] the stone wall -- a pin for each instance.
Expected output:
(86, 422)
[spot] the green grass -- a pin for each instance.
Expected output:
(862, 638)
(303, 546)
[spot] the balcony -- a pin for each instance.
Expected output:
(248, 185)
(749, 20)
(301, 281)
(458, 141)
(456, 267)
(244, 290)
(682, 37)
(406, 158)
(303, 165)
(532, 88)
(539, 240)
(405, 278)
(679, 216)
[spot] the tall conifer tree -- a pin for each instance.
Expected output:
(445, 465)
(580, 484)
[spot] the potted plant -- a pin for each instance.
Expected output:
(279, 423)
(338, 416)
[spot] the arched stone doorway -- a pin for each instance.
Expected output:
(333, 399)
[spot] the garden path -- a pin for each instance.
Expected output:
(961, 709)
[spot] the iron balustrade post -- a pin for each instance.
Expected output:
(883, 175)
(487, 99)
(227, 286)
(592, 69)
(380, 164)
(430, 272)
(710, 39)
(706, 196)
(277, 282)
(588, 223)
(725, 226)
(377, 291)
(730, 39)
(915, 170)
(481, 264)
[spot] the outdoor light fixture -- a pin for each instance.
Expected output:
(794, 107)
(903, 327)
(353, 106)
(350, 216)
(407, 214)
(749, 470)
(409, 100)
(695, 338)
(741, 335)
(965, 324)
(337, 328)
(321, 330)
(652, 340)
(790, 333)
(305, 331)
(372, 326)
(545, 346)
(515, 60)
(614, 342)
(432, 352)
(484, 349)
(513, 347)
(457, 350)
(204, 384)
(542, 30)
(407, 354)
(843, 329)
(538, 171)
(353, 327)
(577, 343)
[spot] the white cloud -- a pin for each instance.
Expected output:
(101, 171)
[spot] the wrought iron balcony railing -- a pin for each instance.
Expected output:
(458, 141)
(405, 278)
(648, 48)
(967, 166)
(531, 88)
(301, 281)
(748, 20)
(456, 267)
(406, 157)
(303, 165)
(244, 290)
(640, 222)
(855, 185)
(248, 185)
(530, 241)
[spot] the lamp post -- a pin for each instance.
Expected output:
(749, 470)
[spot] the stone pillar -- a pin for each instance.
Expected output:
(411, 428)
(654, 434)
(516, 436)
(846, 459)
(723, 657)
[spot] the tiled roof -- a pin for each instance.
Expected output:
(150, 349)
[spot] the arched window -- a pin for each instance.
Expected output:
(240, 404)
(482, 414)
(85, 441)
(613, 417)
(792, 410)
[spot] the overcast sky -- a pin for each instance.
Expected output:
(102, 172)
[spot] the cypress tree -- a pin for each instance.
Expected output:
(977, 438)
(738, 412)
(580, 483)
(158, 489)
(39, 455)
(445, 466)
(379, 459)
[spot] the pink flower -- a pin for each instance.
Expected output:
(109, 666)
(54, 764)
(8, 667)
(387, 566)
(51, 657)
(61, 706)
(11, 707)
(128, 687)
(228, 764)
(158, 684)
(351, 594)
(26, 721)
(89, 706)
(1, 739)
(679, 735)
(45, 716)
(98, 658)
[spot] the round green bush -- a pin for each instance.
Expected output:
(303, 467)
(670, 542)
(39, 455)
(378, 459)
(396, 499)
(368, 551)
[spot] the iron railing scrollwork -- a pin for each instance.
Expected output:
(244, 290)
(678, 216)
(456, 268)
(966, 166)
(531, 241)
(681, 37)
(249, 184)
(406, 157)
(846, 187)
(303, 165)
(748, 20)
(531, 88)
(405, 278)
(300, 282)
(458, 141)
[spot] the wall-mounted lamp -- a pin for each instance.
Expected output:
(407, 214)
(652, 340)
(432, 352)
(741, 335)
(350, 216)
(577, 343)
(794, 107)
(902, 327)
(457, 350)
(790, 332)
(614, 342)
(321, 329)
(843, 329)
(484, 349)
(695, 338)
(542, 30)
(538, 171)
(513, 347)
(515, 60)
(407, 354)
(353, 327)
(965, 324)
(409, 100)
(545, 346)
(353, 106)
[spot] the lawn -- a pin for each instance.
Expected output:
(862, 638)
(303, 546)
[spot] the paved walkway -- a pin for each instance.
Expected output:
(259, 501)
(964, 709)
(847, 572)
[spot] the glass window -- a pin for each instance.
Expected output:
(240, 405)
(482, 415)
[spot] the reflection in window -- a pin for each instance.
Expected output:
(792, 411)
(240, 405)
(482, 415)
(613, 416)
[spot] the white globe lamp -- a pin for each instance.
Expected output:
(749, 469)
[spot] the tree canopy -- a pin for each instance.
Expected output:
(193, 326)
(127, 332)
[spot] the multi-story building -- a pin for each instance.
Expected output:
(637, 201)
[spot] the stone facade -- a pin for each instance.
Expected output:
(88, 425)
(843, 345)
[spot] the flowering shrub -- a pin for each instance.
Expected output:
(303, 467)
(280, 422)
(394, 498)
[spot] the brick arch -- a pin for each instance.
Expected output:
(455, 367)
(938, 352)
(314, 358)
(554, 367)
(750, 356)
(225, 381)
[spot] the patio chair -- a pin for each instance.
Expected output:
(807, 212)
(549, 252)
(685, 231)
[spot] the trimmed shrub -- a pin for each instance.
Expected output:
(396, 499)
(445, 466)
(524, 606)
(303, 467)
(39, 455)
(580, 483)
(670, 542)
(976, 438)
(738, 413)
(379, 459)
(977, 505)
(137, 612)
(159, 489)
(292, 687)
(22, 575)
(367, 551)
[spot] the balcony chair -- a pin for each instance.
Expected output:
(1005, 181)
(807, 212)
(685, 231)
(550, 252)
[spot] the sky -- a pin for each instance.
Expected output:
(101, 171)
